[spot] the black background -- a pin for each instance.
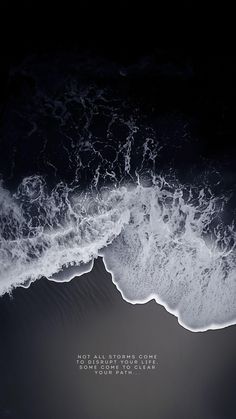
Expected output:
(177, 37)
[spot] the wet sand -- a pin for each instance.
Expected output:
(44, 327)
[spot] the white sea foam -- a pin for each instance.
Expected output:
(161, 241)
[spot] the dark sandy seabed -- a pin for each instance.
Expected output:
(44, 327)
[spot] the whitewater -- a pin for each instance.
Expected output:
(160, 241)
(107, 185)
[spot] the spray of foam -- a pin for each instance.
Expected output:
(161, 241)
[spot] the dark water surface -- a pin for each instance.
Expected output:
(43, 328)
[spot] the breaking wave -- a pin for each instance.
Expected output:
(160, 240)
(115, 165)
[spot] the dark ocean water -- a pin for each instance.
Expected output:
(98, 153)
(44, 327)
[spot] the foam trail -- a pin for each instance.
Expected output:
(42, 234)
(161, 241)
(176, 250)
(67, 274)
(158, 238)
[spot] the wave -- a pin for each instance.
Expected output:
(160, 241)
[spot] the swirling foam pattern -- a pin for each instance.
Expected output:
(160, 241)
(106, 185)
